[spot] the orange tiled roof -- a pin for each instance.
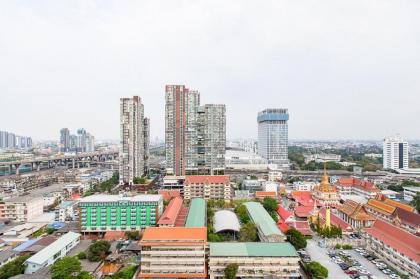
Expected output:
(153, 234)
(303, 197)
(169, 194)
(355, 211)
(381, 206)
(171, 212)
(399, 204)
(207, 179)
(263, 194)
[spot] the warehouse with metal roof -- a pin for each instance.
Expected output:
(225, 220)
(267, 228)
(197, 214)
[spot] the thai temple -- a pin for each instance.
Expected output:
(325, 194)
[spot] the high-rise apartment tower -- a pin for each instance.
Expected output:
(273, 135)
(395, 153)
(133, 141)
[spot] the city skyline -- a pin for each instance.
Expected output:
(339, 81)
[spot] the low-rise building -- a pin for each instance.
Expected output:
(395, 246)
(66, 211)
(303, 186)
(171, 182)
(407, 220)
(410, 193)
(355, 214)
(253, 185)
(24, 208)
(173, 253)
(53, 252)
(383, 208)
(354, 186)
(174, 215)
(322, 158)
(267, 228)
(100, 213)
(208, 187)
(254, 260)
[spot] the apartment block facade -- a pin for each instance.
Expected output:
(100, 213)
(208, 187)
(24, 209)
(173, 253)
(395, 153)
(195, 136)
(134, 140)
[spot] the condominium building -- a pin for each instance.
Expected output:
(52, 253)
(254, 260)
(208, 187)
(395, 153)
(273, 135)
(82, 141)
(24, 208)
(396, 247)
(195, 136)
(134, 140)
(173, 253)
(211, 139)
(100, 213)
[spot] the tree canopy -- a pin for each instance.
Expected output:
(316, 270)
(416, 202)
(98, 251)
(296, 238)
(248, 233)
(231, 270)
(242, 213)
(68, 268)
(13, 268)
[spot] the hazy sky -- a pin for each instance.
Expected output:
(344, 69)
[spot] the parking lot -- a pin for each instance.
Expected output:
(319, 254)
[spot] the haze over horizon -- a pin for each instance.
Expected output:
(344, 69)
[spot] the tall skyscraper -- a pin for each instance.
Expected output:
(180, 129)
(395, 153)
(64, 140)
(195, 136)
(211, 139)
(273, 136)
(133, 143)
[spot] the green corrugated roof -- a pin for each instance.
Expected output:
(197, 213)
(262, 219)
(252, 249)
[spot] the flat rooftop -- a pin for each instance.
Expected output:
(197, 213)
(252, 249)
(118, 198)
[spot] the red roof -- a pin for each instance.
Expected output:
(398, 239)
(207, 179)
(283, 226)
(113, 235)
(301, 226)
(336, 221)
(354, 182)
(303, 198)
(171, 212)
(303, 211)
(407, 217)
(169, 194)
(283, 213)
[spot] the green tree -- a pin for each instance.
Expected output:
(316, 270)
(98, 251)
(13, 268)
(270, 204)
(248, 233)
(242, 213)
(139, 180)
(416, 202)
(68, 268)
(81, 256)
(296, 238)
(231, 270)
(133, 235)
